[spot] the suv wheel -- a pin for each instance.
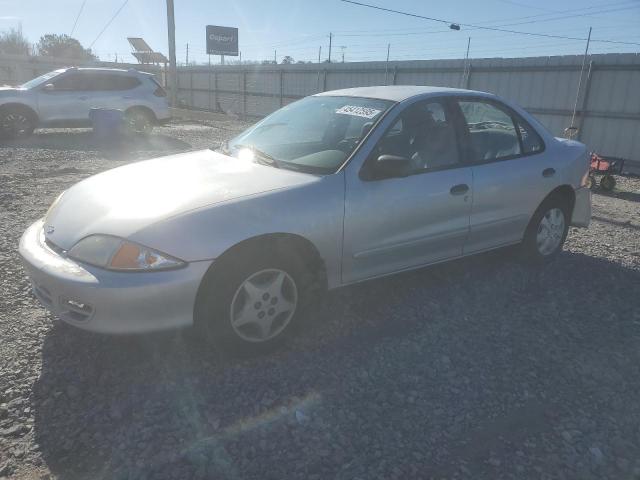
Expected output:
(139, 121)
(15, 123)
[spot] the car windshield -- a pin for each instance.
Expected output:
(40, 80)
(314, 135)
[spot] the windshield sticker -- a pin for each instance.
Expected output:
(365, 112)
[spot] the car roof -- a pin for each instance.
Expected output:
(398, 93)
(130, 71)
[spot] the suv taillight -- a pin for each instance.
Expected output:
(160, 92)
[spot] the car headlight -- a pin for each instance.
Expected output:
(115, 253)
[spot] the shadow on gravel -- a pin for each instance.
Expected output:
(85, 140)
(621, 194)
(398, 372)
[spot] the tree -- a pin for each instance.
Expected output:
(53, 45)
(287, 60)
(13, 42)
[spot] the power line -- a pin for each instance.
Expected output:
(77, 17)
(574, 13)
(481, 27)
(109, 22)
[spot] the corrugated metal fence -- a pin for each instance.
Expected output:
(608, 114)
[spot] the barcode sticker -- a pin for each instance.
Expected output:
(365, 112)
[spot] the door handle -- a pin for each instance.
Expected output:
(548, 172)
(460, 189)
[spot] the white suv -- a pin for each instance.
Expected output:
(63, 98)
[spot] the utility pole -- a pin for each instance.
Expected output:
(575, 105)
(386, 67)
(187, 60)
(330, 38)
(319, 53)
(240, 52)
(173, 71)
(275, 56)
(342, 47)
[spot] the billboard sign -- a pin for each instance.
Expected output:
(222, 40)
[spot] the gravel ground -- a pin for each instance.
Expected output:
(481, 368)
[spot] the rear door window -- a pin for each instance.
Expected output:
(492, 132)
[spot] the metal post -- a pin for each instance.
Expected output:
(319, 53)
(173, 71)
(585, 98)
(395, 73)
(324, 81)
(386, 67)
(209, 82)
(466, 61)
(281, 87)
(244, 94)
(467, 84)
(191, 88)
(187, 59)
(215, 91)
(330, 38)
(275, 57)
(584, 59)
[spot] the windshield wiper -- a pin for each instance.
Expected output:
(260, 156)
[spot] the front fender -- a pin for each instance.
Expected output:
(313, 211)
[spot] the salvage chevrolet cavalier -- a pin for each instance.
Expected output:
(336, 188)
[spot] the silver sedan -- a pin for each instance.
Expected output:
(337, 188)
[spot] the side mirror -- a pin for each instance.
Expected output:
(390, 166)
(49, 87)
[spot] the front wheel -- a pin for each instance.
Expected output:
(15, 123)
(547, 230)
(251, 302)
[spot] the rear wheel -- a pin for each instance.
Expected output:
(16, 123)
(547, 230)
(252, 301)
(139, 121)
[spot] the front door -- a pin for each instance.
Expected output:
(66, 102)
(420, 214)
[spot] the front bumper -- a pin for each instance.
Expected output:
(581, 216)
(105, 301)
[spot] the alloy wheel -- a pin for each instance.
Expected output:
(550, 231)
(15, 124)
(263, 305)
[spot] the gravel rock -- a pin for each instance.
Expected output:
(478, 369)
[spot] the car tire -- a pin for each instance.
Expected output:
(139, 121)
(16, 123)
(250, 302)
(592, 182)
(547, 230)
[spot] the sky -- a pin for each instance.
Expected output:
(298, 28)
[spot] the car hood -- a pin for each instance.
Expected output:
(129, 198)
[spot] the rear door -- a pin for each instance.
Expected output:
(511, 172)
